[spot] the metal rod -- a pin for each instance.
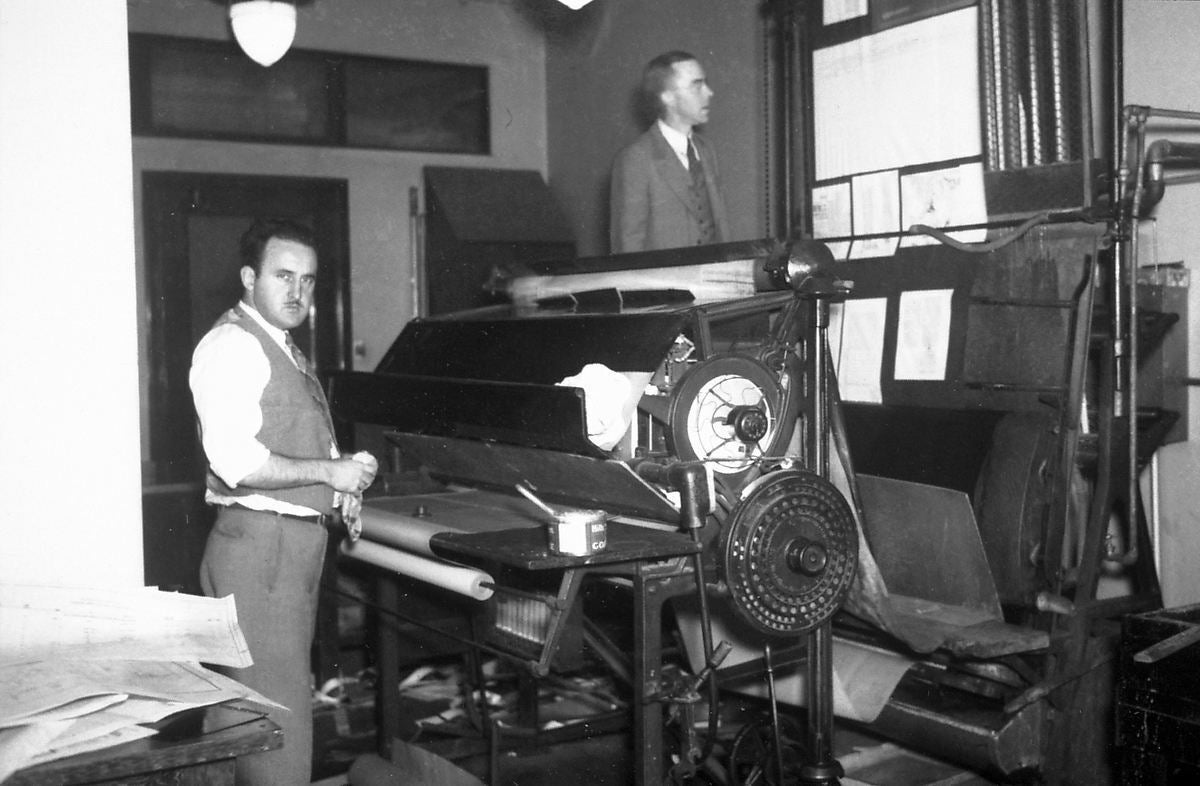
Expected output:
(1169, 646)
(823, 767)
(529, 495)
(775, 712)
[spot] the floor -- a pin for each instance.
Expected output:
(441, 745)
(452, 755)
(604, 761)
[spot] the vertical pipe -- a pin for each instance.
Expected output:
(786, 118)
(819, 667)
(1131, 382)
(989, 78)
(1085, 106)
(1117, 89)
(416, 242)
(799, 120)
(1059, 146)
(1012, 106)
(1035, 71)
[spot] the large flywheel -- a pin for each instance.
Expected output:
(731, 411)
(789, 552)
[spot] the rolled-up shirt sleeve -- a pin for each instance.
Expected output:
(228, 376)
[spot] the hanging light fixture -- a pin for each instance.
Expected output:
(574, 5)
(264, 29)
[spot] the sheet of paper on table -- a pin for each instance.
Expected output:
(82, 668)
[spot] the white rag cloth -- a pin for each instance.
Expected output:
(351, 503)
(607, 395)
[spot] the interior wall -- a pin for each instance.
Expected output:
(1160, 66)
(594, 62)
(504, 35)
(1161, 63)
(500, 35)
(69, 458)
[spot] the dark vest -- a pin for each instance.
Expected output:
(295, 423)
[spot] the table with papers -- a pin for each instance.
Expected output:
(100, 674)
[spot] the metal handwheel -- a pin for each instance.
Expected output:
(789, 552)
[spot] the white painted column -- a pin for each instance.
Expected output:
(70, 464)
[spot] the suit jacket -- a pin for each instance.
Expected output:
(649, 205)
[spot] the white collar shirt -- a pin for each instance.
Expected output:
(678, 141)
(228, 375)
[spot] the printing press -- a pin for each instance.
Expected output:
(835, 525)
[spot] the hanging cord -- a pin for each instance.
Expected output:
(982, 248)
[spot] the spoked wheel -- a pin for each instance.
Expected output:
(731, 411)
(752, 758)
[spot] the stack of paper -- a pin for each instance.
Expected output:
(82, 668)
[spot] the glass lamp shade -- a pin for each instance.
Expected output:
(574, 5)
(264, 29)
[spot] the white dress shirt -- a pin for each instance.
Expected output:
(678, 141)
(229, 373)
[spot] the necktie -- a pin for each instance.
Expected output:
(298, 356)
(314, 384)
(694, 166)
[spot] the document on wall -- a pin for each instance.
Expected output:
(831, 215)
(137, 623)
(943, 198)
(921, 79)
(923, 334)
(861, 361)
(876, 211)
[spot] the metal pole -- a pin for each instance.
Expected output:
(824, 768)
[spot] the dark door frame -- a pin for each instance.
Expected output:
(170, 199)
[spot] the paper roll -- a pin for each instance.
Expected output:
(465, 581)
(400, 530)
(709, 281)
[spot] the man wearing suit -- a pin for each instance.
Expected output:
(664, 190)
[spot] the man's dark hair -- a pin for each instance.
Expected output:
(654, 81)
(255, 239)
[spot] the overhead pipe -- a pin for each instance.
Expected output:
(1161, 155)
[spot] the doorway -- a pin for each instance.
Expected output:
(192, 224)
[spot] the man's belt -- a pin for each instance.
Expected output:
(323, 519)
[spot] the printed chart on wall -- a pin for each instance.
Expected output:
(897, 136)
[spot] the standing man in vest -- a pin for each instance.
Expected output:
(664, 191)
(276, 476)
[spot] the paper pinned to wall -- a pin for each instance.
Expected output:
(831, 210)
(861, 359)
(942, 198)
(919, 77)
(876, 210)
(923, 334)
